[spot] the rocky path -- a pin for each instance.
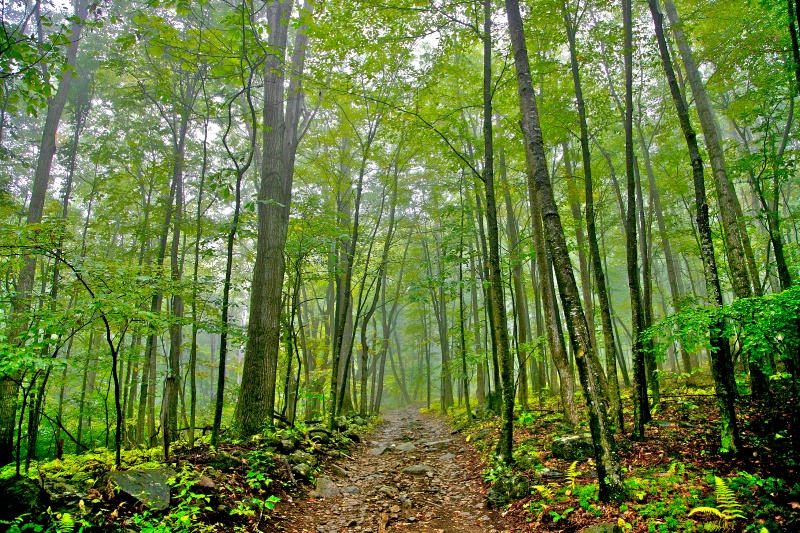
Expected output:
(409, 475)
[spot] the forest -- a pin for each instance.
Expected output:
(399, 265)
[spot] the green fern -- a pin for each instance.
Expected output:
(727, 510)
(545, 492)
(573, 473)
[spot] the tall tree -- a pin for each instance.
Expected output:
(281, 115)
(608, 469)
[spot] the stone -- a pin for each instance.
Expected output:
(549, 473)
(378, 450)
(358, 421)
(206, 482)
(288, 445)
(388, 491)
(506, 489)
(405, 447)
(447, 457)
(607, 527)
(224, 461)
(340, 422)
(439, 444)
(319, 435)
(338, 471)
(417, 470)
(352, 490)
(299, 456)
(302, 470)
(573, 448)
(352, 435)
(664, 424)
(326, 488)
(148, 486)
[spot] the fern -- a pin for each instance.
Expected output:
(726, 511)
(545, 492)
(573, 473)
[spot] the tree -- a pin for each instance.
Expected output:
(608, 469)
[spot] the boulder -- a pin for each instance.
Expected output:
(300, 456)
(506, 489)
(352, 435)
(288, 445)
(378, 450)
(340, 422)
(302, 470)
(320, 435)
(148, 486)
(573, 447)
(326, 488)
(417, 470)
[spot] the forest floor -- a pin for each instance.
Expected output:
(411, 474)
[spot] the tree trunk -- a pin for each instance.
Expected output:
(721, 363)
(641, 408)
(256, 403)
(9, 385)
(591, 229)
(608, 469)
(741, 265)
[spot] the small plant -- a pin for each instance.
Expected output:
(545, 492)
(561, 516)
(727, 510)
(573, 474)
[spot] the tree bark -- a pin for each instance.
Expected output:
(608, 469)
(741, 264)
(256, 403)
(721, 363)
(591, 229)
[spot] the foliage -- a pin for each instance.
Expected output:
(726, 511)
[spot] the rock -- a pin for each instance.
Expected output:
(352, 435)
(664, 424)
(406, 447)
(506, 489)
(206, 482)
(300, 456)
(340, 422)
(417, 470)
(148, 486)
(302, 470)
(19, 496)
(439, 444)
(320, 435)
(358, 421)
(338, 471)
(224, 461)
(388, 491)
(378, 450)
(447, 457)
(603, 528)
(288, 445)
(573, 448)
(549, 473)
(352, 489)
(394, 509)
(326, 488)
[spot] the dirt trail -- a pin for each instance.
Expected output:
(409, 475)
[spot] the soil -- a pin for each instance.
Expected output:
(411, 474)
